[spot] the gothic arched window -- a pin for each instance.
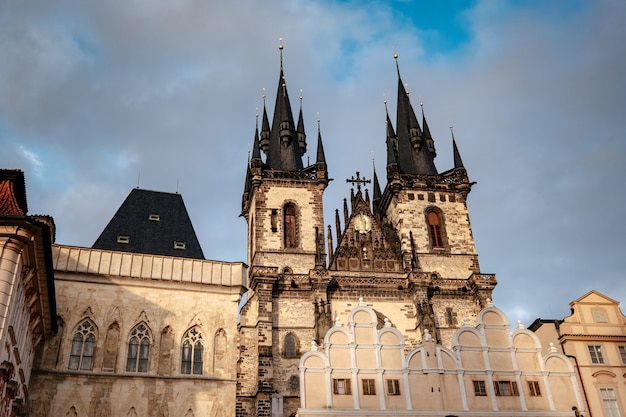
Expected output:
(290, 226)
(83, 346)
(192, 349)
(435, 229)
(290, 346)
(138, 349)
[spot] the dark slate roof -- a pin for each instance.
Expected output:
(151, 222)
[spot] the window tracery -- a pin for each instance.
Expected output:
(83, 346)
(192, 351)
(139, 349)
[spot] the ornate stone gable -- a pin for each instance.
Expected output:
(366, 244)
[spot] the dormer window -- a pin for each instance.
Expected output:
(180, 245)
(154, 217)
(123, 239)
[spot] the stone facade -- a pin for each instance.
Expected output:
(161, 299)
(27, 296)
(419, 272)
(594, 336)
(364, 370)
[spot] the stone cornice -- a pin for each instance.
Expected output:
(143, 266)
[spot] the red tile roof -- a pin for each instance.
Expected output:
(9, 201)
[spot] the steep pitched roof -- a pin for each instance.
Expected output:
(414, 149)
(151, 222)
(12, 193)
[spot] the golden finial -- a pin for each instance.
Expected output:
(395, 56)
(406, 88)
(280, 46)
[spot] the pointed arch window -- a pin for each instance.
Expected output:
(435, 229)
(290, 225)
(192, 350)
(139, 349)
(83, 347)
(290, 346)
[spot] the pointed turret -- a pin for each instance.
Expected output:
(412, 155)
(321, 158)
(392, 142)
(265, 130)
(430, 143)
(284, 151)
(377, 194)
(256, 151)
(300, 131)
(458, 162)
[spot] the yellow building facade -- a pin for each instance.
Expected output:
(594, 338)
(365, 369)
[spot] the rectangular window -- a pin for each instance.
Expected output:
(609, 402)
(480, 389)
(622, 353)
(180, 245)
(506, 388)
(533, 389)
(154, 217)
(123, 239)
(393, 386)
(341, 387)
(369, 387)
(595, 352)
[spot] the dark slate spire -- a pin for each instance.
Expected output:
(256, 151)
(458, 162)
(284, 151)
(321, 158)
(392, 141)
(413, 156)
(265, 130)
(377, 192)
(300, 130)
(430, 143)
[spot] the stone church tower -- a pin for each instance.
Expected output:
(409, 253)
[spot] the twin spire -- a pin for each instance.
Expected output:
(284, 142)
(410, 148)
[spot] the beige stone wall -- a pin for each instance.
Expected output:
(117, 291)
(407, 213)
(99, 394)
(434, 380)
(596, 321)
(267, 229)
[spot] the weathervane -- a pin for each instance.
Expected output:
(358, 180)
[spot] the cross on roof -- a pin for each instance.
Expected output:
(358, 181)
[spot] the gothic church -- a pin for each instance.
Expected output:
(408, 251)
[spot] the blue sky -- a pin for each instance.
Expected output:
(97, 98)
